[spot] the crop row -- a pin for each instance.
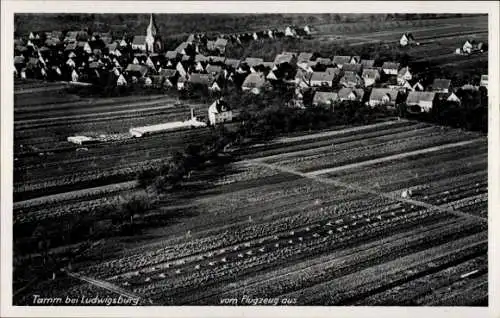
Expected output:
(345, 262)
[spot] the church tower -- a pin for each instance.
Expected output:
(151, 35)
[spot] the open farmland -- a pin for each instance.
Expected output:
(320, 228)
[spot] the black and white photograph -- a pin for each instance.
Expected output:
(248, 159)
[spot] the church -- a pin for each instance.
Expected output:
(149, 43)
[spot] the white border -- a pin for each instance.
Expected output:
(8, 7)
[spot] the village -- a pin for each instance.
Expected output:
(199, 63)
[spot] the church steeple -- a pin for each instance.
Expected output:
(151, 34)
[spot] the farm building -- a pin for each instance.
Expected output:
(351, 79)
(321, 79)
(390, 68)
(254, 82)
(471, 46)
(304, 57)
(219, 112)
(339, 61)
(232, 63)
(290, 31)
(216, 59)
(352, 94)
(172, 55)
(383, 96)
(425, 100)
(213, 69)
(440, 85)
(284, 58)
(206, 80)
(484, 81)
(370, 77)
(324, 61)
(170, 126)
(220, 44)
(82, 140)
(324, 99)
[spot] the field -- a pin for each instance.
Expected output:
(317, 218)
(309, 219)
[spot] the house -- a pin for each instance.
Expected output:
(137, 70)
(390, 68)
(290, 31)
(180, 67)
(467, 47)
(307, 30)
(441, 85)
(220, 44)
(121, 81)
(383, 96)
(352, 94)
(284, 59)
(356, 59)
(172, 55)
(304, 57)
(213, 69)
(424, 100)
(74, 76)
(407, 39)
(418, 87)
(367, 63)
(356, 68)
(324, 99)
(200, 58)
(341, 60)
(169, 77)
(302, 78)
(217, 59)
(319, 79)
(254, 82)
(253, 61)
(370, 77)
(351, 79)
(453, 98)
(323, 61)
(219, 112)
(139, 43)
(484, 81)
(232, 63)
(404, 75)
(207, 80)
(183, 48)
(181, 83)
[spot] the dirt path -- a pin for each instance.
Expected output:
(104, 285)
(394, 157)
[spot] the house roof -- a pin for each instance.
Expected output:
(218, 106)
(254, 80)
(403, 70)
(18, 59)
(415, 97)
(390, 66)
(484, 77)
(341, 59)
(143, 69)
(440, 83)
(112, 46)
(220, 42)
(352, 68)
(253, 61)
(350, 77)
(323, 61)
(367, 63)
(232, 62)
(333, 70)
(213, 69)
(283, 58)
(378, 93)
(171, 55)
(200, 58)
(203, 79)
(370, 73)
(345, 92)
(325, 97)
(182, 46)
(168, 72)
(70, 46)
(139, 40)
(322, 77)
(217, 59)
(304, 57)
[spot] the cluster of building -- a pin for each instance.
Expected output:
(200, 62)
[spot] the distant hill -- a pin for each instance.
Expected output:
(173, 25)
